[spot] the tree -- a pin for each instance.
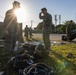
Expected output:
(38, 29)
(62, 28)
(59, 28)
(39, 26)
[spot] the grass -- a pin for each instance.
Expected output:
(58, 58)
(60, 55)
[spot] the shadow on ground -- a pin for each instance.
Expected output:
(70, 65)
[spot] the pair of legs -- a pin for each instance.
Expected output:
(26, 35)
(30, 35)
(46, 38)
(68, 36)
(10, 41)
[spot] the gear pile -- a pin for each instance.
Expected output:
(24, 62)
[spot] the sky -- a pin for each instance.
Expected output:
(32, 8)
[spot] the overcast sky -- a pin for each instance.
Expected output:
(65, 8)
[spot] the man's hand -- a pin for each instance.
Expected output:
(40, 15)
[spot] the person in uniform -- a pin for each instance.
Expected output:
(47, 22)
(26, 31)
(69, 28)
(11, 26)
(30, 32)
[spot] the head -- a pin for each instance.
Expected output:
(71, 21)
(26, 25)
(16, 5)
(44, 10)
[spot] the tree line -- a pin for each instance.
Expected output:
(59, 29)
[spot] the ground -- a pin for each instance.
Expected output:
(58, 58)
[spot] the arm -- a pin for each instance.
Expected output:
(50, 19)
(41, 17)
(5, 21)
(5, 24)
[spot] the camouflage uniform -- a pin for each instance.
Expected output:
(30, 32)
(47, 22)
(26, 32)
(68, 31)
(10, 25)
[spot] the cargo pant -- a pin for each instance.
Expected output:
(10, 41)
(46, 37)
(26, 33)
(68, 36)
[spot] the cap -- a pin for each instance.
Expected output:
(16, 3)
(43, 9)
(71, 20)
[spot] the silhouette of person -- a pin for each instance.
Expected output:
(11, 25)
(26, 30)
(47, 22)
(30, 32)
(69, 29)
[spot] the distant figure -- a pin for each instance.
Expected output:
(30, 32)
(26, 31)
(69, 29)
(47, 22)
(11, 26)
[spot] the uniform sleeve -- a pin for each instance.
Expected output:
(50, 19)
(5, 20)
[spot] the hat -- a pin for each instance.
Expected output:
(71, 20)
(16, 3)
(43, 9)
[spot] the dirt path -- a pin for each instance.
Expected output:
(52, 36)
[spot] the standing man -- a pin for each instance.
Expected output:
(69, 29)
(11, 26)
(26, 32)
(30, 32)
(47, 22)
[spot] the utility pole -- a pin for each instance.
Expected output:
(59, 19)
(55, 21)
(31, 23)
